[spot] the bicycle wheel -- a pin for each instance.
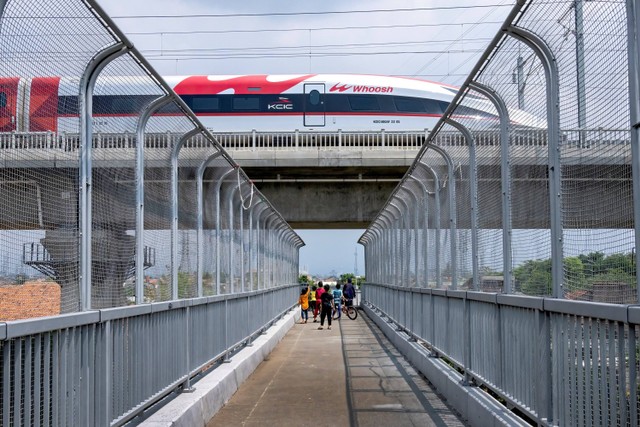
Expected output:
(352, 313)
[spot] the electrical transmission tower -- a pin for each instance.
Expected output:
(355, 266)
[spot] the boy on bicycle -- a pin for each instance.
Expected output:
(349, 293)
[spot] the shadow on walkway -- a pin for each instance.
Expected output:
(383, 388)
(350, 375)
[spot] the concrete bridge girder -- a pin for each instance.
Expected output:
(307, 197)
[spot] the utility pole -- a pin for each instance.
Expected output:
(355, 266)
(580, 87)
(518, 78)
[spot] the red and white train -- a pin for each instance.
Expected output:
(327, 102)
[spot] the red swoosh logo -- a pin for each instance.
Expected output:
(340, 88)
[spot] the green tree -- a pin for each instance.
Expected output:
(344, 277)
(574, 273)
(534, 277)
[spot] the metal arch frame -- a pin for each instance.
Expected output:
(425, 242)
(505, 177)
(394, 238)
(438, 225)
(374, 253)
(241, 210)
(405, 220)
(261, 258)
(633, 53)
(275, 250)
(396, 247)
(175, 153)
(277, 258)
(85, 183)
(544, 53)
(387, 219)
(283, 256)
(268, 248)
(370, 241)
(452, 213)
(287, 258)
(230, 198)
(200, 217)
(258, 243)
(280, 258)
(473, 194)
(252, 243)
(401, 235)
(372, 250)
(231, 207)
(218, 207)
(416, 211)
(87, 84)
(143, 119)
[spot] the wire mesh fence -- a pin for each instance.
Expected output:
(539, 186)
(90, 205)
(530, 189)
(123, 213)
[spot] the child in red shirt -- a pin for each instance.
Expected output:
(319, 293)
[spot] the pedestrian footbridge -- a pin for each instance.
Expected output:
(145, 275)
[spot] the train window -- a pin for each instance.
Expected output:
(246, 103)
(205, 104)
(314, 97)
(409, 105)
(364, 103)
(123, 105)
(3, 99)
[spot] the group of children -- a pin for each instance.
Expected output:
(328, 304)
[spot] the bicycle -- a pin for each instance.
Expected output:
(350, 311)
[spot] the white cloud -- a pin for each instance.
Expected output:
(451, 48)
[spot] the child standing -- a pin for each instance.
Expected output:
(319, 292)
(304, 305)
(337, 302)
(327, 306)
(312, 302)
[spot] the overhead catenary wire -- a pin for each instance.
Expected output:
(302, 54)
(316, 29)
(344, 45)
(310, 13)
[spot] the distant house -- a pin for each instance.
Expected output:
(613, 292)
(487, 284)
(29, 300)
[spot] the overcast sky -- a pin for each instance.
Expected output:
(438, 40)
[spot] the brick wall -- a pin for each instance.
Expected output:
(32, 299)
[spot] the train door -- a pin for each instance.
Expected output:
(314, 112)
(8, 103)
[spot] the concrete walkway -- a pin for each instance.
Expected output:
(348, 376)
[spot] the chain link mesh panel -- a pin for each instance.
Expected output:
(42, 78)
(555, 213)
(92, 162)
(588, 44)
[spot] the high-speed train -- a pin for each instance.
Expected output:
(242, 103)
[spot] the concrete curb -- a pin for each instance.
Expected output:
(214, 390)
(475, 406)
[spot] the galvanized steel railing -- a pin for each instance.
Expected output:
(531, 224)
(166, 255)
